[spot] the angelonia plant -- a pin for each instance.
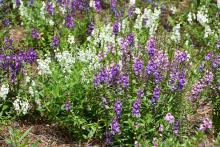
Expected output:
(137, 73)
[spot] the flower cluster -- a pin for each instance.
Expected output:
(4, 91)
(200, 85)
(206, 124)
(21, 106)
(66, 60)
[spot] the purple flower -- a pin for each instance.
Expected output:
(67, 106)
(209, 56)
(170, 118)
(136, 108)
(138, 66)
(130, 38)
(151, 46)
(96, 81)
(160, 128)
(176, 127)
(114, 72)
(18, 2)
(35, 34)
(118, 108)
(206, 124)
(216, 62)
(115, 126)
(218, 44)
(69, 21)
(50, 8)
(116, 28)
(90, 28)
(6, 22)
(113, 4)
(108, 138)
(55, 41)
(30, 56)
(8, 43)
(98, 5)
(124, 80)
(156, 93)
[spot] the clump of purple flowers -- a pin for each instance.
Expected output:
(151, 46)
(178, 71)
(35, 34)
(156, 95)
(138, 66)
(158, 65)
(67, 106)
(69, 21)
(55, 41)
(6, 22)
(50, 8)
(116, 28)
(113, 4)
(200, 85)
(98, 5)
(118, 108)
(206, 124)
(90, 28)
(137, 103)
(169, 118)
(115, 126)
(218, 44)
(176, 127)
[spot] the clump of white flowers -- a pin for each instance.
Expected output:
(218, 4)
(4, 91)
(150, 20)
(21, 106)
(176, 36)
(132, 2)
(71, 39)
(202, 16)
(66, 60)
(191, 17)
(44, 66)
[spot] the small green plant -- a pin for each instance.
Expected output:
(17, 139)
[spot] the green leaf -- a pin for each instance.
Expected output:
(24, 135)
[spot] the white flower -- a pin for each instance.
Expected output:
(4, 91)
(137, 11)
(173, 9)
(51, 22)
(208, 31)
(21, 106)
(176, 36)
(202, 16)
(43, 66)
(132, 2)
(71, 39)
(66, 60)
(27, 79)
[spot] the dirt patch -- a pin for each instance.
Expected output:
(48, 135)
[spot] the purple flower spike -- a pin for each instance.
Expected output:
(209, 56)
(206, 124)
(90, 28)
(138, 66)
(136, 108)
(69, 21)
(113, 4)
(98, 5)
(50, 9)
(55, 41)
(151, 46)
(35, 34)
(118, 108)
(116, 28)
(6, 22)
(218, 44)
(170, 118)
(67, 106)
(115, 126)
(176, 127)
